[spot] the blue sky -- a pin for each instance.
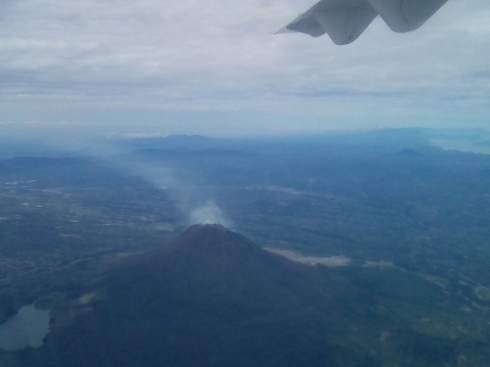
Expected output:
(214, 67)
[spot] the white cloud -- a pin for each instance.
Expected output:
(222, 55)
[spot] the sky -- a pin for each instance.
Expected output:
(71, 69)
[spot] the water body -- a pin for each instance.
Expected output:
(25, 329)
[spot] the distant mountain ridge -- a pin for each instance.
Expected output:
(173, 142)
(184, 153)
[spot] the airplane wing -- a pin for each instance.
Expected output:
(406, 15)
(342, 20)
(345, 20)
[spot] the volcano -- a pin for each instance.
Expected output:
(211, 297)
(215, 267)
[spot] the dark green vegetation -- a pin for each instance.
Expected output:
(414, 220)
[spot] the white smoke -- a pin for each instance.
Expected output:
(209, 213)
(184, 195)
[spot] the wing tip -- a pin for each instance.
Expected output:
(285, 30)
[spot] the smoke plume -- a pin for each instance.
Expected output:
(210, 213)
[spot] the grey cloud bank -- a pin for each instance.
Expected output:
(214, 67)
